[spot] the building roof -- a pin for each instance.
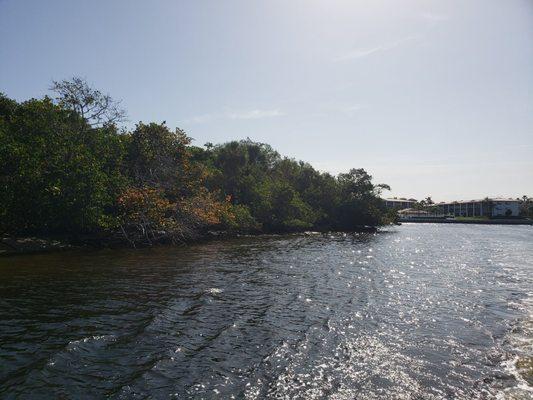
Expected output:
(413, 211)
(478, 200)
(401, 200)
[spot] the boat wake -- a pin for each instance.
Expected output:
(519, 364)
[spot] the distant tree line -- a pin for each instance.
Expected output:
(428, 205)
(67, 168)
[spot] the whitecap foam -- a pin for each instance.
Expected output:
(520, 364)
(74, 344)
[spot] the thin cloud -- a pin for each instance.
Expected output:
(435, 17)
(367, 51)
(359, 53)
(200, 119)
(256, 114)
(241, 115)
(352, 109)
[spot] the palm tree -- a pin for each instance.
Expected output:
(487, 207)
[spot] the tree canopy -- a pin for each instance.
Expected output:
(65, 167)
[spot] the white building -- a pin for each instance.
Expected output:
(411, 214)
(399, 204)
(489, 207)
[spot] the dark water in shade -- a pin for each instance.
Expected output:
(418, 312)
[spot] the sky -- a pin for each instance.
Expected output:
(434, 98)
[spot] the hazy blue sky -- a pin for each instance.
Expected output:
(432, 97)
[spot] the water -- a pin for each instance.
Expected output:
(420, 311)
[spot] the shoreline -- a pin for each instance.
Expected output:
(24, 245)
(468, 221)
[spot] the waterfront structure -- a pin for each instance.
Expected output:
(488, 207)
(412, 214)
(399, 204)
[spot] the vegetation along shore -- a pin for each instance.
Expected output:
(68, 169)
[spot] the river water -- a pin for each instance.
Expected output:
(420, 311)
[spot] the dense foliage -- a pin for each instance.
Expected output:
(66, 170)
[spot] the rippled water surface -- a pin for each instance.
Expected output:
(417, 312)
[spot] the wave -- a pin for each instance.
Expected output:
(519, 364)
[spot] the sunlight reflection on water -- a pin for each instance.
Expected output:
(419, 311)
